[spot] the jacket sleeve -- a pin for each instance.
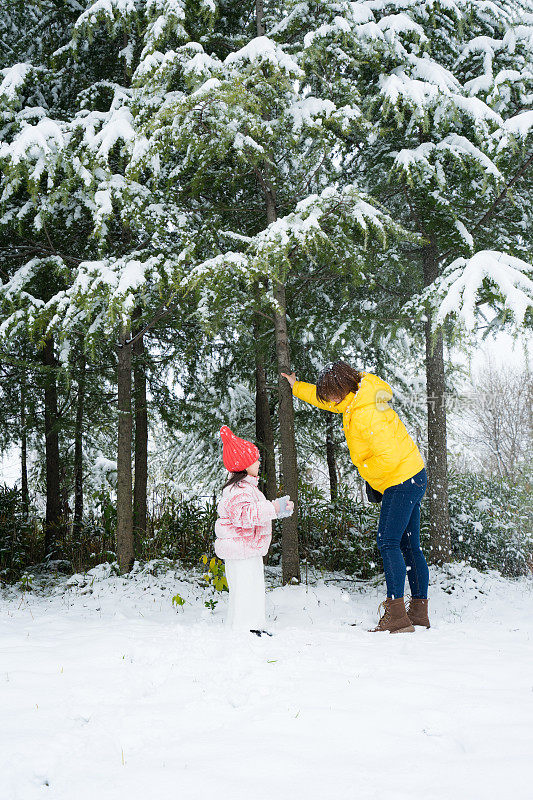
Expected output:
(385, 455)
(246, 512)
(307, 392)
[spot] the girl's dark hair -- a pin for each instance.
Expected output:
(235, 477)
(337, 380)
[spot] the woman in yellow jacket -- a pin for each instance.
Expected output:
(389, 460)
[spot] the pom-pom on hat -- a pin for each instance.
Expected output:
(237, 454)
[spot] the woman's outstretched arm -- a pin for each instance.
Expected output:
(307, 392)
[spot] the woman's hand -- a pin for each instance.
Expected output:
(291, 378)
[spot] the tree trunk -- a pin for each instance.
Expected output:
(289, 465)
(125, 549)
(78, 449)
(330, 456)
(437, 492)
(259, 17)
(51, 424)
(264, 432)
(24, 449)
(141, 446)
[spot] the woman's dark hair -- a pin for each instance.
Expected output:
(337, 380)
(235, 477)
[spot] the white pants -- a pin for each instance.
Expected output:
(246, 584)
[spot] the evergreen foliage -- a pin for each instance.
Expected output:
(168, 166)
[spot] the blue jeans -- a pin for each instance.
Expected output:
(399, 537)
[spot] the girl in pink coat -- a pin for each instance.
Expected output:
(244, 531)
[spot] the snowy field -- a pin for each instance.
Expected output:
(108, 692)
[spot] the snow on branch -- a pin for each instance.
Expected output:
(415, 93)
(167, 20)
(217, 265)
(119, 280)
(319, 223)
(263, 50)
(309, 111)
(27, 273)
(118, 125)
(394, 24)
(457, 291)
(20, 307)
(107, 11)
(435, 93)
(166, 17)
(13, 78)
(426, 155)
(338, 26)
(97, 295)
(158, 69)
(35, 143)
(521, 124)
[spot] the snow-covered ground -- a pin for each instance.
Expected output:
(108, 692)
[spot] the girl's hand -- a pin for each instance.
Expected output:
(284, 507)
(291, 378)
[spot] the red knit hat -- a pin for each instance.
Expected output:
(237, 454)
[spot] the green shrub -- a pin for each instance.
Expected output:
(491, 523)
(182, 530)
(336, 536)
(18, 535)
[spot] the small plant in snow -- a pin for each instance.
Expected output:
(26, 582)
(215, 577)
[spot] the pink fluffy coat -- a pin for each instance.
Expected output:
(244, 527)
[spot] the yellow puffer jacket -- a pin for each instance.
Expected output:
(379, 444)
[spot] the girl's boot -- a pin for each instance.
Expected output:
(417, 611)
(394, 619)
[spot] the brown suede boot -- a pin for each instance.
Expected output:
(417, 611)
(394, 619)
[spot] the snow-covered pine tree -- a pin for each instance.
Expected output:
(30, 34)
(246, 152)
(439, 94)
(86, 245)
